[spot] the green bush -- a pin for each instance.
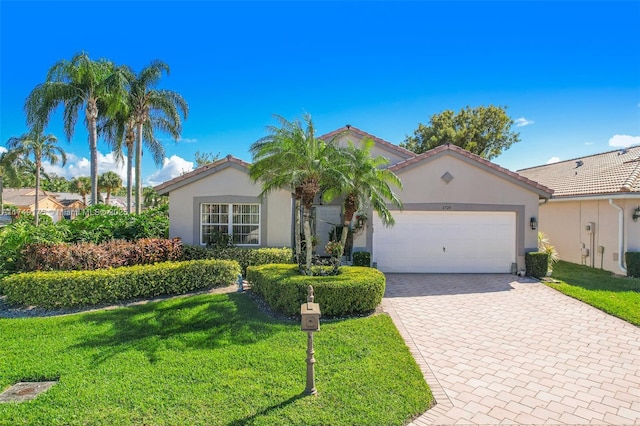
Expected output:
(536, 264)
(244, 256)
(362, 258)
(355, 290)
(57, 289)
(632, 259)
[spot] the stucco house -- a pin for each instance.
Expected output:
(461, 213)
(592, 217)
(24, 199)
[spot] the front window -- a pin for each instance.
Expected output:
(241, 221)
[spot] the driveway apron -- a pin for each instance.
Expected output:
(503, 349)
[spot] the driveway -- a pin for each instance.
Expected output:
(503, 349)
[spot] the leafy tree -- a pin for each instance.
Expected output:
(485, 131)
(9, 172)
(153, 109)
(152, 198)
(42, 148)
(363, 182)
(81, 185)
(55, 183)
(109, 182)
(79, 83)
(292, 157)
(204, 158)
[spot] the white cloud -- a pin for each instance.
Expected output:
(553, 160)
(82, 167)
(521, 122)
(2, 149)
(589, 143)
(171, 168)
(624, 141)
(187, 140)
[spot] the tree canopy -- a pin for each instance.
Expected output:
(485, 131)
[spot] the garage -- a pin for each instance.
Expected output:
(446, 242)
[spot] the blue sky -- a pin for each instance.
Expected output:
(569, 72)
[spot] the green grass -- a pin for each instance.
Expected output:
(618, 296)
(207, 360)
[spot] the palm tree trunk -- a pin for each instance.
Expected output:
(307, 238)
(37, 206)
(1, 199)
(129, 178)
(138, 190)
(92, 117)
(296, 232)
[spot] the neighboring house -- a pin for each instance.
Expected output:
(24, 199)
(461, 213)
(592, 217)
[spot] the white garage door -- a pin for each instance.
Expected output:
(444, 242)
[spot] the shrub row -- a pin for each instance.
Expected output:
(63, 289)
(90, 256)
(355, 290)
(244, 256)
(536, 264)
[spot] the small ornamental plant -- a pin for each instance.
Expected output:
(334, 248)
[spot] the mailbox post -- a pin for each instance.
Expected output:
(310, 313)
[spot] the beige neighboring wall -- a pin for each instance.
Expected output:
(564, 222)
(472, 188)
(231, 184)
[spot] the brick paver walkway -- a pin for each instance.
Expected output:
(503, 349)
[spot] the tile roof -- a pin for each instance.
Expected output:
(484, 163)
(25, 197)
(381, 142)
(611, 172)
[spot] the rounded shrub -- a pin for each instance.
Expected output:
(355, 290)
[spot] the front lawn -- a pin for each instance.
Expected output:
(618, 296)
(208, 360)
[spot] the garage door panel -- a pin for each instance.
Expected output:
(446, 242)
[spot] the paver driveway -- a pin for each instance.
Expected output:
(503, 349)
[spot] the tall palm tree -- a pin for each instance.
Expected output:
(119, 131)
(81, 185)
(42, 147)
(109, 182)
(152, 198)
(79, 83)
(292, 157)
(152, 110)
(367, 184)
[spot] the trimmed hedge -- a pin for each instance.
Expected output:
(632, 260)
(90, 256)
(64, 289)
(355, 290)
(536, 264)
(362, 258)
(244, 256)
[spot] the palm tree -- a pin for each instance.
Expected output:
(292, 157)
(118, 131)
(152, 199)
(109, 182)
(42, 148)
(153, 109)
(81, 185)
(367, 184)
(79, 83)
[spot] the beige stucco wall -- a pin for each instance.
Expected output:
(471, 189)
(564, 223)
(231, 184)
(377, 150)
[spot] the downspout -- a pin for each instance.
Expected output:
(620, 235)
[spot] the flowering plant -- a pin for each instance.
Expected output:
(334, 248)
